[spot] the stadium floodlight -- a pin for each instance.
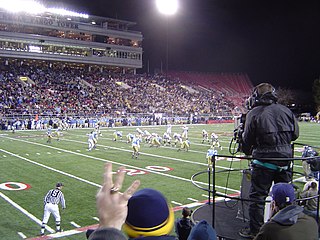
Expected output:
(22, 6)
(33, 7)
(167, 7)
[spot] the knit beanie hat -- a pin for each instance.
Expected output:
(148, 214)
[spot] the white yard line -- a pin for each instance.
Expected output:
(22, 235)
(25, 212)
(75, 224)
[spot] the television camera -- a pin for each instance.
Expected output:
(236, 142)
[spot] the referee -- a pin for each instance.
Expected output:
(51, 201)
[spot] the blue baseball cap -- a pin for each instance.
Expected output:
(283, 193)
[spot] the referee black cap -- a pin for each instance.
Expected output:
(59, 184)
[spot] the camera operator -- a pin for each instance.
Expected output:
(269, 129)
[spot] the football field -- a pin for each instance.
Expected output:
(30, 167)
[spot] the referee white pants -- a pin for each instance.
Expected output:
(51, 208)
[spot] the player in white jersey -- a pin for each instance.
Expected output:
(177, 139)
(90, 141)
(58, 133)
(185, 130)
(169, 128)
(210, 153)
(140, 132)
(136, 146)
(205, 136)
(95, 138)
(51, 205)
(97, 129)
(49, 135)
(166, 139)
(147, 136)
(215, 141)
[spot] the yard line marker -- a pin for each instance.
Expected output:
(59, 152)
(75, 225)
(95, 218)
(4, 156)
(22, 235)
(176, 203)
(27, 154)
(49, 153)
(25, 212)
(192, 199)
(38, 153)
(78, 150)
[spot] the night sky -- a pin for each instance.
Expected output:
(276, 41)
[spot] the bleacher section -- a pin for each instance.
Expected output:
(64, 89)
(235, 86)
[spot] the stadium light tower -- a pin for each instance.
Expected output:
(168, 8)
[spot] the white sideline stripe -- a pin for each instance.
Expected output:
(95, 218)
(100, 159)
(75, 225)
(25, 212)
(22, 235)
(176, 203)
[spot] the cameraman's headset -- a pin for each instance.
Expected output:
(258, 92)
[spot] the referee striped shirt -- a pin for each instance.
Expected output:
(55, 196)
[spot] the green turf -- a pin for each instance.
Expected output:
(26, 157)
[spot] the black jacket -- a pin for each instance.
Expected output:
(268, 132)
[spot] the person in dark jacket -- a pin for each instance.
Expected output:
(288, 221)
(268, 132)
(184, 225)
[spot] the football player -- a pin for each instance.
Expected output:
(185, 145)
(166, 139)
(185, 130)
(49, 135)
(90, 141)
(215, 141)
(116, 135)
(205, 136)
(136, 146)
